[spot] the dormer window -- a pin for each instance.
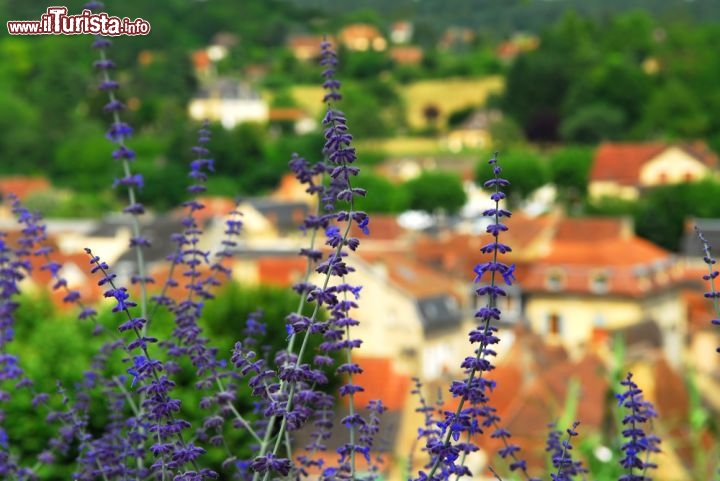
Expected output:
(599, 282)
(555, 280)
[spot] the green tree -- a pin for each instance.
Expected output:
(675, 110)
(526, 170)
(434, 190)
(570, 170)
(365, 112)
(663, 210)
(383, 196)
(593, 123)
(20, 134)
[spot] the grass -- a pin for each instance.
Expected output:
(448, 95)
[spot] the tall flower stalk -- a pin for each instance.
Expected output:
(448, 453)
(639, 445)
(295, 374)
(118, 133)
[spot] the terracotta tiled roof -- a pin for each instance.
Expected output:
(406, 55)
(608, 253)
(621, 163)
(22, 186)
(632, 267)
(213, 207)
(458, 254)
(285, 114)
(380, 381)
(591, 229)
(282, 271)
(200, 59)
(381, 227)
(411, 276)
(359, 30)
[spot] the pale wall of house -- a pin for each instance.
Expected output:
(389, 321)
(671, 166)
(669, 310)
(444, 352)
(599, 189)
(579, 315)
(229, 112)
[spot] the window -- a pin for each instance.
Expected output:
(554, 324)
(555, 280)
(599, 282)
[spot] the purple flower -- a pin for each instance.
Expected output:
(638, 444)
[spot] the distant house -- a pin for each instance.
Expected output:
(293, 118)
(362, 37)
(305, 47)
(704, 336)
(22, 186)
(410, 313)
(623, 170)
(202, 64)
(401, 32)
(406, 55)
(456, 38)
(229, 102)
(474, 132)
(598, 279)
(507, 51)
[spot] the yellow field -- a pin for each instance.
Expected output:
(399, 146)
(447, 94)
(309, 98)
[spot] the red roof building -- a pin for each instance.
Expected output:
(625, 169)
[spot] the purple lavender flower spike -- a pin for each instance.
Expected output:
(638, 444)
(474, 413)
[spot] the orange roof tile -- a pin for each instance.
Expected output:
(359, 30)
(588, 229)
(621, 163)
(608, 253)
(23, 186)
(292, 114)
(213, 207)
(282, 271)
(382, 227)
(380, 381)
(411, 276)
(200, 59)
(406, 55)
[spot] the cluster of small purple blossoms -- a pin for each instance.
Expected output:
(474, 413)
(12, 272)
(560, 453)
(710, 277)
(118, 132)
(294, 398)
(713, 293)
(157, 417)
(638, 445)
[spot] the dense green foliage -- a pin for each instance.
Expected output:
(435, 191)
(627, 77)
(54, 346)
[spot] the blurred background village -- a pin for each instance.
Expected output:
(606, 114)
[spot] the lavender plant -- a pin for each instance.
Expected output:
(146, 432)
